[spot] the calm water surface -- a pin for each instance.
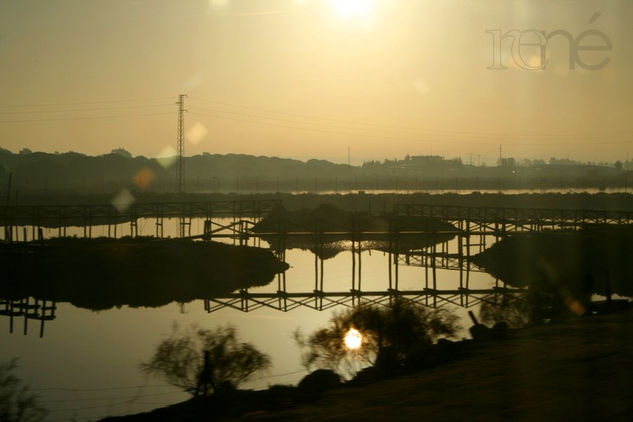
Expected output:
(86, 365)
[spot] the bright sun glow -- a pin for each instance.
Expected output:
(353, 339)
(353, 9)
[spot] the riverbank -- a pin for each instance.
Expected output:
(577, 370)
(102, 273)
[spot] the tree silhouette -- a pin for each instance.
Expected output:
(199, 358)
(17, 404)
(403, 328)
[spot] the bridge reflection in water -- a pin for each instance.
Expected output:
(431, 259)
(38, 310)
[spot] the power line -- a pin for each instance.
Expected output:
(304, 122)
(292, 121)
(136, 387)
(323, 129)
(348, 124)
(123, 400)
(84, 102)
(408, 129)
(101, 406)
(125, 387)
(128, 399)
(440, 138)
(309, 129)
(83, 118)
(305, 116)
(263, 377)
(82, 109)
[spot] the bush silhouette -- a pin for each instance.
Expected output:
(389, 336)
(17, 403)
(202, 361)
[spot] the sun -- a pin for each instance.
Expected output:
(353, 339)
(360, 10)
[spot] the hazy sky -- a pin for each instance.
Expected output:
(308, 78)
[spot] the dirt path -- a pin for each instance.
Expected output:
(581, 370)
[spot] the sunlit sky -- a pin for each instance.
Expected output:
(312, 78)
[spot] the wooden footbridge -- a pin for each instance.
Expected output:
(471, 230)
(499, 220)
(467, 220)
(34, 217)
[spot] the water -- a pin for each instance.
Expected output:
(87, 364)
(436, 191)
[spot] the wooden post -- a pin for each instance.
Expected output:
(11, 318)
(434, 272)
(207, 229)
(353, 263)
(460, 253)
(321, 275)
(390, 254)
(25, 310)
(389, 263)
(234, 222)
(360, 252)
(41, 315)
(395, 258)
(316, 269)
(467, 259)
(425, 258)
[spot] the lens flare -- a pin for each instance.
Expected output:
(144, 178)
(123, 200)
(196, 133)
(167, 157)
(353, 339)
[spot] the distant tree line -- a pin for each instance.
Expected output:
(72, 172)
